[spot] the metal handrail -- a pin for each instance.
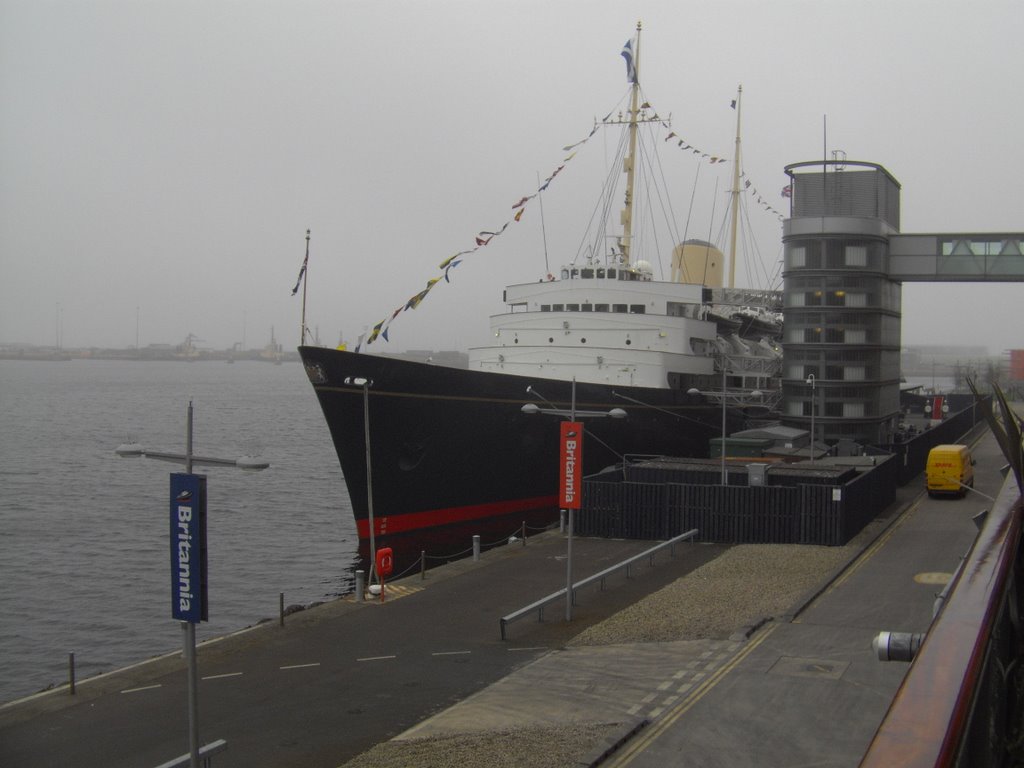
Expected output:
(539, 605)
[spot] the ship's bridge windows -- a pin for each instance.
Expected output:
(574, 273)
(587, 273)
(586, 307)
(620, 308)
(565, 273)
(558, 307)
(612, 273)
(601, 307)
(545, 307)
(600, 272)
(572, 307)
(637, 309)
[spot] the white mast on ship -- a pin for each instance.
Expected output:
(735, 193)
(630, 161)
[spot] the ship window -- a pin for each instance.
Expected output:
(557, 307)
(572, 307)
(587, 274)
(619, 308)
(637, 309)
(583, 341)
(628, 342)
(600, 271)
(600, 307)
(611, 273)
(575, 273)
(565, 274)
(550, 340)
(545, 307)
(586, 307)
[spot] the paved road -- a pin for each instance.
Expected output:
(338, 678)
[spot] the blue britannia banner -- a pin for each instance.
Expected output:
(188, 547)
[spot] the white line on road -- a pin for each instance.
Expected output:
(301, 666)
(451, 653)
(376, 658)
(218, 677)
(530, 648)
(143, 688)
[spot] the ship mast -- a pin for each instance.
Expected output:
(735, 192)
(630, 160)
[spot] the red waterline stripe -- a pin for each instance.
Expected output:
(432, 518)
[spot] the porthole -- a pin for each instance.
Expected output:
(583, 341)
(628, 342)
(516, 341)
(550, 340)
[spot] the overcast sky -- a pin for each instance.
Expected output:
(160, 162)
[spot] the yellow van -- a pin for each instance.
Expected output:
(950, 468)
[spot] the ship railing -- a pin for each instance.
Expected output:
(597, 578)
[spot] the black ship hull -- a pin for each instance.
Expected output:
(452, 453)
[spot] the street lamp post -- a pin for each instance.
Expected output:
(572, 414)
(247, 463)
(814, 406)
(740, 397)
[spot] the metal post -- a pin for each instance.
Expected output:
(524, 533)
(476, 547)
(190, 638)
(814, 406)
(280, 608)
(568, 540)
(725, 480)
(193, 694)
(369, 476)
(360, 587)
(71, 674)
(561, 521)
(423, 565)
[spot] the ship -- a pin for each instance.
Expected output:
(433, 455)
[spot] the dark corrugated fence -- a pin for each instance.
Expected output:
(660, 499)
(798, 514)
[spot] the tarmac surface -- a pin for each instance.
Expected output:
(803, 688)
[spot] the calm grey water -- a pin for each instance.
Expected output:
(84, 560)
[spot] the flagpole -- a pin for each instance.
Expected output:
(305, 282)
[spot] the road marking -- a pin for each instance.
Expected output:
(530, 648)
(631, 750)
(143, 688)
(376, 658)
(218, 677)
(451, 653)
(301, 666)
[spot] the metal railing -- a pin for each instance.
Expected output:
(539, 605)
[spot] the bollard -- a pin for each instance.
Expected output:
(423, 565)
(524, 533)
(71, 674)
(561, 521)
(476, 547)
(359, 586)
(280, 609)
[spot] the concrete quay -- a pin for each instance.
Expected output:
(427, 669)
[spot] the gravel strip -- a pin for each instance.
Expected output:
(743, 586)
(746, 584)
(534, 747)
